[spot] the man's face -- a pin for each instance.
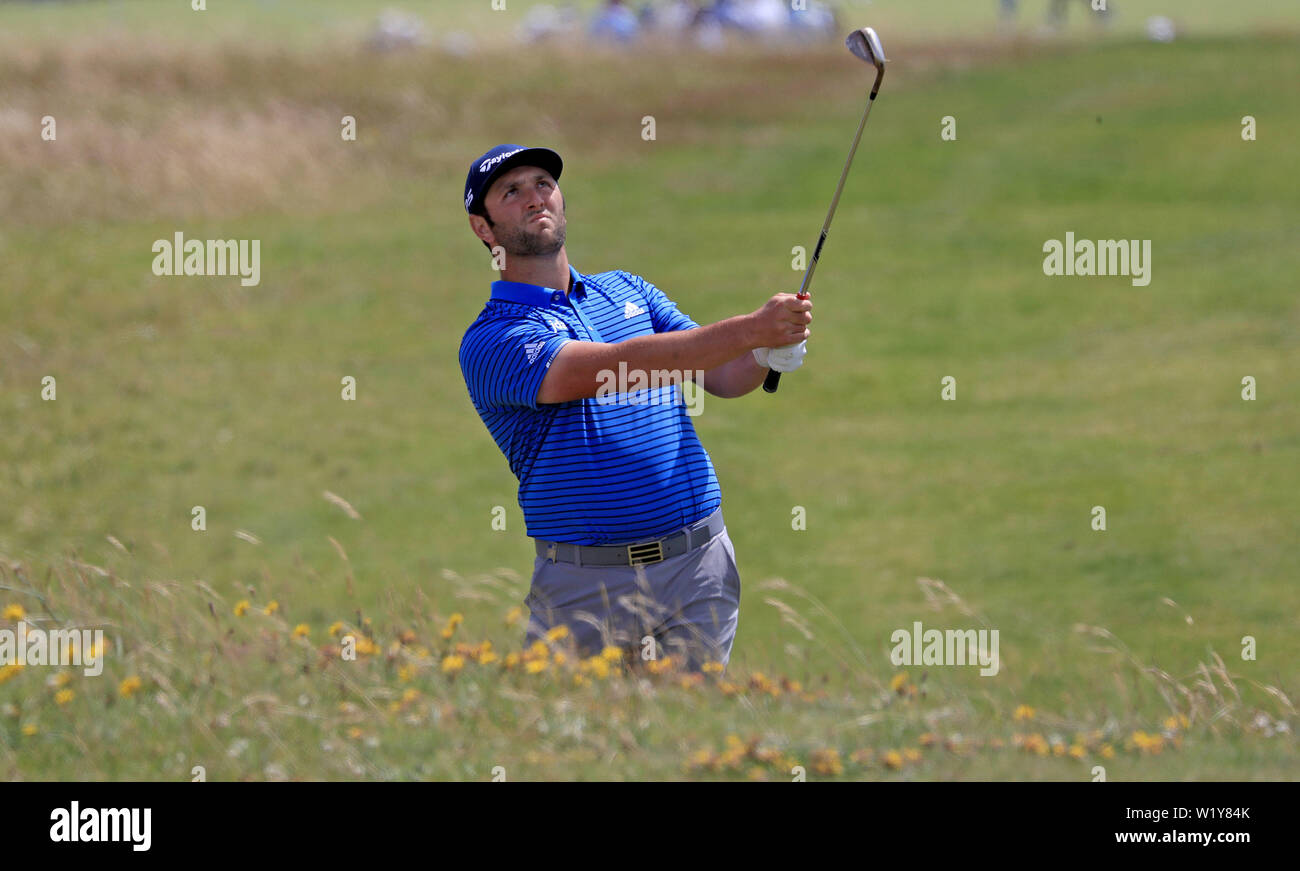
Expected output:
(526, 212)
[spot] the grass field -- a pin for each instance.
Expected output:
(1120, 648)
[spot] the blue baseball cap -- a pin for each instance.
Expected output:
(484, 170)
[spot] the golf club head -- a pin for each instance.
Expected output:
(866, 44)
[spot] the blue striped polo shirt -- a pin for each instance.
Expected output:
(590, 471)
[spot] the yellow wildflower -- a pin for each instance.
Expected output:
(454, 621)
(8, 671)
(335, 628)
(452, 664)
(1076, 751)
(302, 630)
(514, 615)
(241, 607)
(897, 681)
(712, 668)
(511, 660)
(1024, 712)
(535, 666)
(611, 654)
(557, 633)
(62, 697)
(271, 607)
(29, 730)
(14, 611)
(560, 658)
(826, 762)
(128, 687)
(892, 759)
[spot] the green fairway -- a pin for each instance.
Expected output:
(1072, 392)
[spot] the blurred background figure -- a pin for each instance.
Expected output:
(1007, 10)
(614, 21)
(1059, 11)
(818, 21)
(546, 22)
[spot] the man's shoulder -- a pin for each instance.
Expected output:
(497, 319)
(620, 282)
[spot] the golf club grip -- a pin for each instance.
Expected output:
(772, 381)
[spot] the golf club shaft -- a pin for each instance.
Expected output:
(773, 379)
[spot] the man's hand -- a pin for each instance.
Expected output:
(782, 321)
(785, 359)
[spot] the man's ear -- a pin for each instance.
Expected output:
(482, 230)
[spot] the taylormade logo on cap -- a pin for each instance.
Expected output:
(493, 161)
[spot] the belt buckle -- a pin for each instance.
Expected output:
(644, 554)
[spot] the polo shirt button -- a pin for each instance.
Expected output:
(555, 297)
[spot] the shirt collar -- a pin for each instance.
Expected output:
(532, 294)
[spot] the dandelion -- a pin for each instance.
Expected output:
(557, 633)
(14, 611)
(929, 739)
(893, 759)
(581, 680)
(355, 732)
(29, 729)
(826, 762)
(62, 697)
(241, 607)
(897, 681)
(535, 666)
(611, 654)
(407, 637)
(128, 687)
(410, 695)
(560, 659)
(538, 650)
(511, 660)
(597, 667)
(454, 621)
(911, 754)
(8, 671)
(486, 657)
(660, 666)
(1107, 751)
(514, 615)
(366, 646)
(712, 668)
(335, 628)
(302, 630)
(1076, 751)
(271, 607)
(1024, 712)
(452, 664)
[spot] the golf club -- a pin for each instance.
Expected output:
(864, 43)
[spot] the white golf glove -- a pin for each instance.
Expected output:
(785, 359)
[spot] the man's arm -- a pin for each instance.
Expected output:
(575, 371)
(735, 377)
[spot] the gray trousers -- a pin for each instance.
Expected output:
(688, 605)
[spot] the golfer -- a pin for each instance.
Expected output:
(616, 489)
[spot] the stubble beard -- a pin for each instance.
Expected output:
(520, 242)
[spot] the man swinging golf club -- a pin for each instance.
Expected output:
(621, 498)
(617, 490)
